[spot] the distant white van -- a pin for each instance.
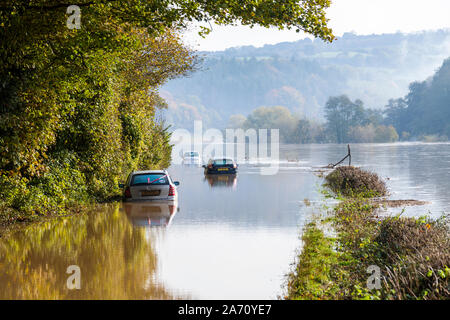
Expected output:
(191, 158)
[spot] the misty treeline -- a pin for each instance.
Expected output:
(79, 96)
(347, 121)
(302, 75)
(423, 114)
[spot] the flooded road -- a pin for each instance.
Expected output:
(228, 237)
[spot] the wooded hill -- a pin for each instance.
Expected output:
(303, 75)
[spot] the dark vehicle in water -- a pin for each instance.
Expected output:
(221, 166)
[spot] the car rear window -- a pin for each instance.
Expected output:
(221, 162)
(152, 178)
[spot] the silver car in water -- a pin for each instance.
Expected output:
(150, 185)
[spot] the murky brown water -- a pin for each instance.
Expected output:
(228, 237)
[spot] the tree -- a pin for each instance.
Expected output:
(303, 132)
(236, 121)
(424, 110)
(273, 118)
(74, 123)
(395, 113)
(303, 15)
(385, 134)
(342, 114)
(373, 116)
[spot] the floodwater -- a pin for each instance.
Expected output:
(228, 237)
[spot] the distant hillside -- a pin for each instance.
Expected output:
(302, 75)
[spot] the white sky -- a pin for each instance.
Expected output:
(359, 16)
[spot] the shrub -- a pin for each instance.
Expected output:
(22, 199)
(385, 134)
(416, 253)
(351, 181)
(433, 138)
(362, 134)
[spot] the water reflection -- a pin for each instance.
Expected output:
(151, 213)
(117, 261)
(224, 245)
(221, 180)
(189, 163)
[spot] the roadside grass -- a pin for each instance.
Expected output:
(312, 277)
(413, 255)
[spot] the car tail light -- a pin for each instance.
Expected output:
(127, 192)
(171, 191)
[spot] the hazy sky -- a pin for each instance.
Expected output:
(359, 16)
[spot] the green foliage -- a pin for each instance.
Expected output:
(51, 192)
(77, 107)
(417, 253)
(424, 112)
(412, 253)
(304, 15)
(312, 277)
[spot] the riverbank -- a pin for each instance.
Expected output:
(412, 255)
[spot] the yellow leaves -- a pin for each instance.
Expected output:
(72, 103)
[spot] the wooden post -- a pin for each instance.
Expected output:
(349, 156)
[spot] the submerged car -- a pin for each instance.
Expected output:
(221, 166)
(191, 158)
(150, 185)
